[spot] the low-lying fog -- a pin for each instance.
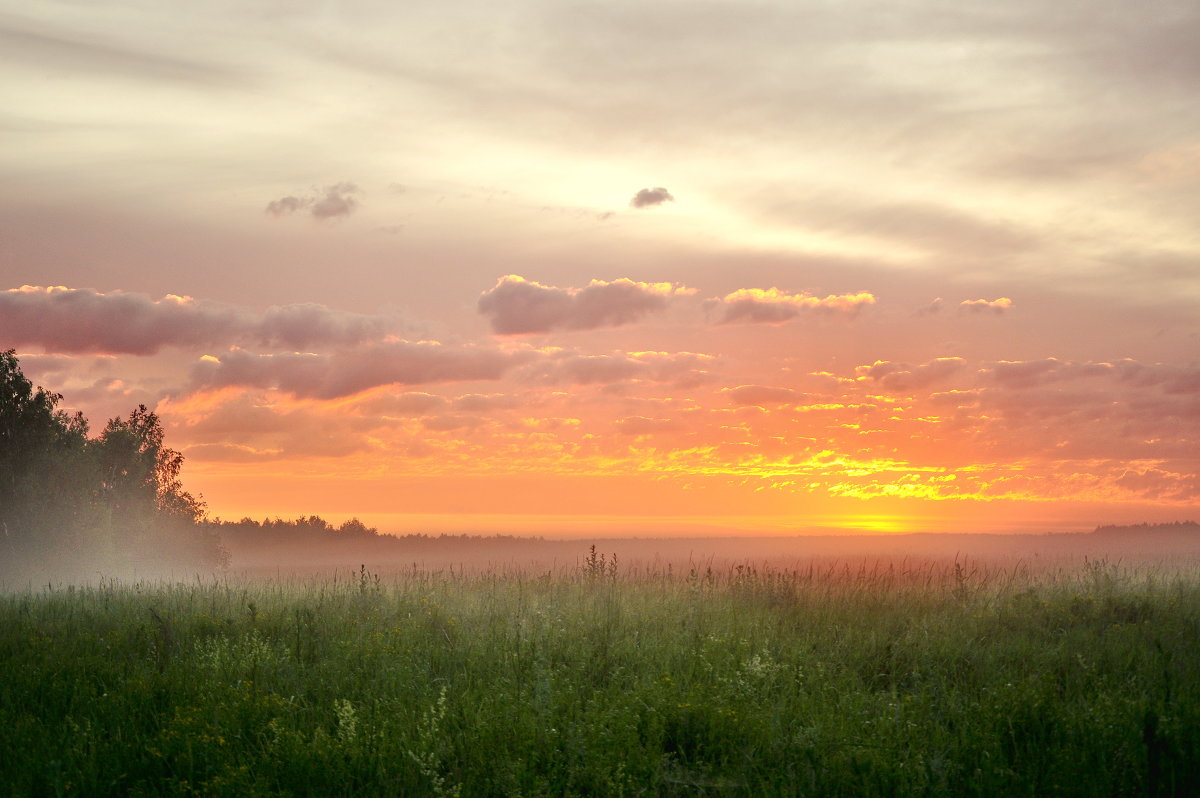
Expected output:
(1169, 547)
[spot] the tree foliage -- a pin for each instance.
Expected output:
(112, 500)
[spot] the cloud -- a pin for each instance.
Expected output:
(81, 320)
(903, 377)
(516, 306)
(984, 305)
(1025, 373)
(763, 395)
(649, 197)
(451, 423)
(402, 404)
(683, 369)
(286, 205)
(338, 200)
(932, 308)
(482, 403)
(640, 425)
(773, 306)
(326, 203)
(229, 453)
(316, 376)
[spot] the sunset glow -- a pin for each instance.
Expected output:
(630, 268)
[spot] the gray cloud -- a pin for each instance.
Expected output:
(327, 203)
(82, 320)
(649, 197)
(286, 205)
(516, 305)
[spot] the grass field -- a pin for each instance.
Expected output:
(922, 680)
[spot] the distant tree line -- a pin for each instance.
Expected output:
(1167, 527)
(278, 532)
(99, 502)
(313, 530)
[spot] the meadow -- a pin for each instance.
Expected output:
(932, 678)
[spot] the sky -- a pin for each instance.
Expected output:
(636, 268)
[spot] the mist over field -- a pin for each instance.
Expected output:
(1145, 545)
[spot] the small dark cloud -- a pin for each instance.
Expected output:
(329, 202)
(649, 197)
(338, 200)
(286, 205)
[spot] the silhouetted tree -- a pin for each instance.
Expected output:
(42, 464)
(114, 498)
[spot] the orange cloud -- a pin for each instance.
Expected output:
(986, 305)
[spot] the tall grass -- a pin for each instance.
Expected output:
(886, 680)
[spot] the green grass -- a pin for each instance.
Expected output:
(926, 682)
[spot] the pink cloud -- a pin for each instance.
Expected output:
(1026, 373)
(680, 368)
(350, 372)
(903, 377)
(640, 425)
(516, 305)
(763, 395)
